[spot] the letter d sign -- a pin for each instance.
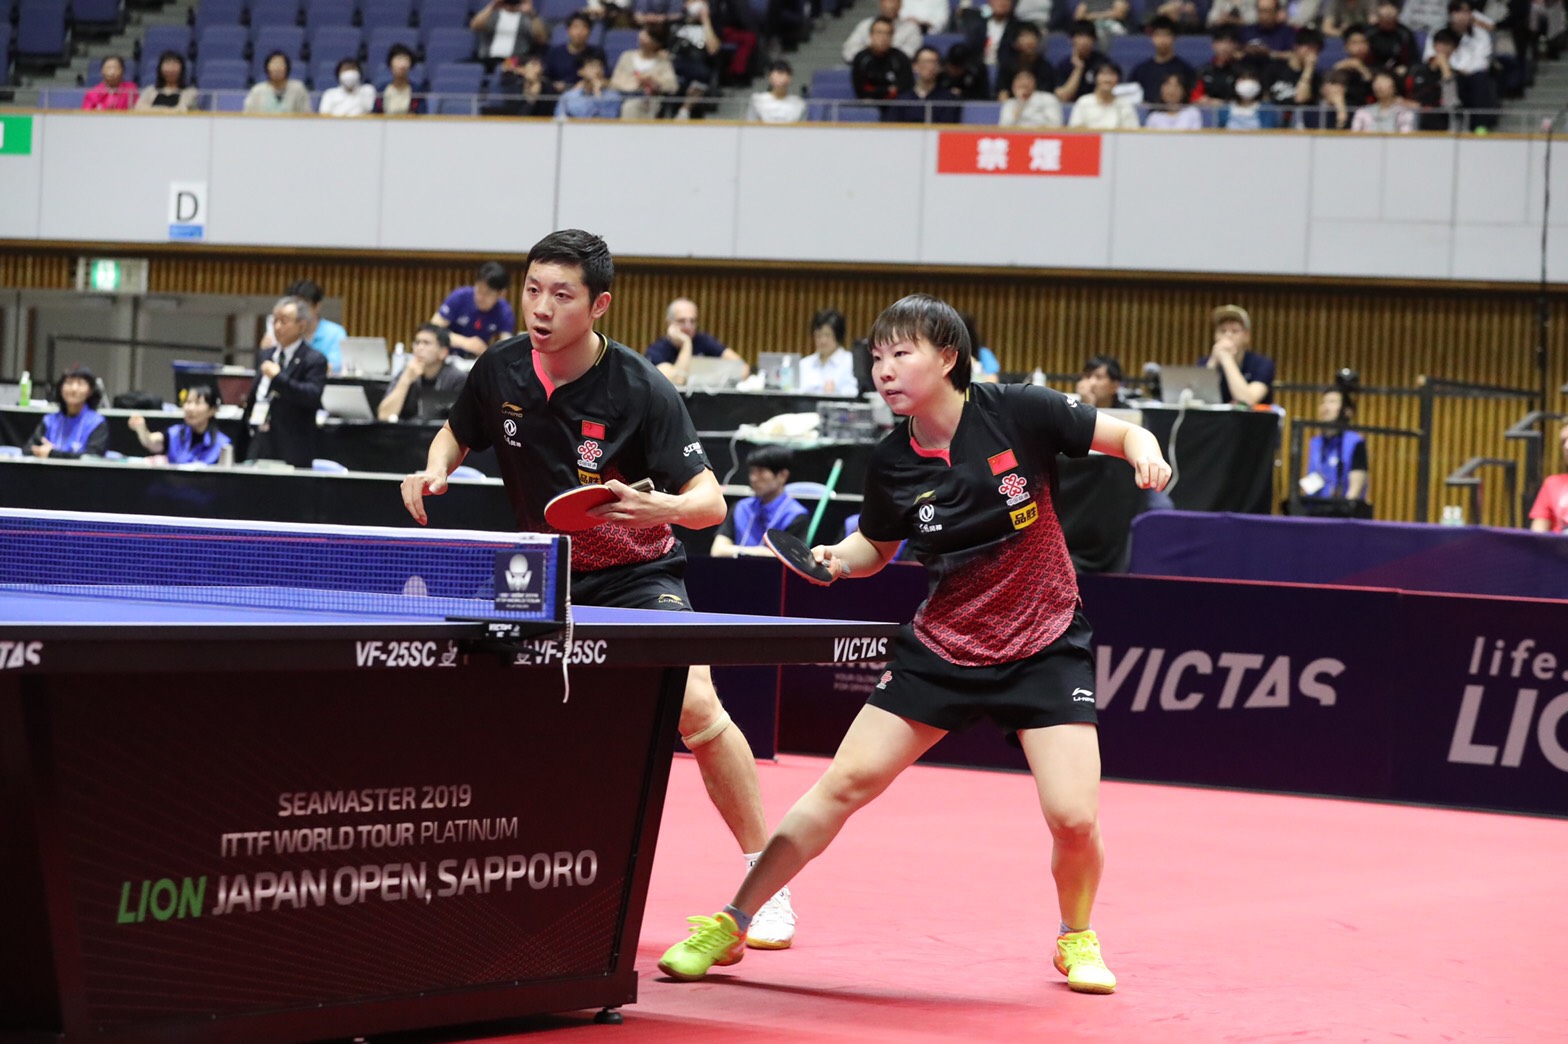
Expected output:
(187, 209)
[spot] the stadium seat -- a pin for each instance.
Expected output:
(829, 84)
(1056, 47)
(374, 13)
(42, 33)
(333, 43)
(383, 37)
(985, 114)
(62, 97)
(1196, 51)
(443, 14)
(5, 53)
(218, 12)
(1129, 51)
(264, 13)
(557, 11)
(223, 74)
(290, 39)
(320, 13)
(229, 101)
(943, 42)
(617, 41)
(323, 74)
(160, 38)
(448, 45)
(223, 41)
(95, 70)
(98, 17)
(456, 87)
(379, 75)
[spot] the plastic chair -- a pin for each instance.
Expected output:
(290, 39)
(267, 13)
(336, 42)
(327, 466)
(985, 114)
(386, 12)
(223, 74)
(446, 44)
(322, 13)
(830, 84)
(42, 31)
(211, 13)
(160, 38)
(222, 41)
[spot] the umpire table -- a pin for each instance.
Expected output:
(272, 782)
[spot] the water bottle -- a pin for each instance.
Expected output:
(24, 390)
(1037, 378)
(1453, 515)
(398, 361)
(787, 375)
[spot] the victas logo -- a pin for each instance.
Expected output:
(1187, 679)
(588, 455)
(695, 447)
(518, 574)
(14, 655)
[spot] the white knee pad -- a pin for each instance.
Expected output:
(709, 732)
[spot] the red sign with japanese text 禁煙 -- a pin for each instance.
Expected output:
(1062, 155)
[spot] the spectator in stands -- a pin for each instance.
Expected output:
(1112, 19)
(1217, 80)
(1233, 13)
(769, 507)
(1340, 16)
(930, 100)
(830, 368)
(1248, 378)
(1246, 111)
(1336, 460)
(593, 98)
(1296, 80)
(563, 63)
(985, 366)
(171, 88)
(196, 441)
(777, 104)
(644, 75)
(1337, 110)
(1103, 110)
(1357, 63)
(881, 72)
(930, 15)
(1151, 73)
(1031, 108)
(1075, 74)
(429, 371)
(283, 402)
(1185, 15)
(673, 352)
(112, 93)
(1101, 383)
(1388, 113)
(1025, 54)
(521, 89)
(278, 92)
(1433, 84)
(77, 429)
(905, 32)
(1393, 46)
(478, 315)
(1175, 111)
(993, 37)
(506, 29)
(1549, 514)
(1471, 61)
(695, 43)
(351, 96)
(966, 78)
(1271, 36)
(397, 97)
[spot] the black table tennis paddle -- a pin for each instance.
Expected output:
(796, 556)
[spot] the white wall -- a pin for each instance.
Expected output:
(1428, 207)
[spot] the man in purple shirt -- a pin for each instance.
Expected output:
(477, 316)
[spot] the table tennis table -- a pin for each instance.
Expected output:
(265, 820)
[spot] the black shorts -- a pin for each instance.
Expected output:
(660, 584)
(1055, 686)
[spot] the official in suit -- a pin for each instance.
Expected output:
(289, 383)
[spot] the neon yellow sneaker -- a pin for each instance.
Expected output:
(713, 941)
(1078, 958)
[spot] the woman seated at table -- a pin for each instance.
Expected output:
(197, 441)
(1337, 460)
(78, 430)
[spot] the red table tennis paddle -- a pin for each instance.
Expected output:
(796, 556)
(569, 511)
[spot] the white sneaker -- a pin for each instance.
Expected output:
(774, 926)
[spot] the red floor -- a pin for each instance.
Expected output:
(1226, 917)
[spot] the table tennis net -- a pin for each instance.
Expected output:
(340, 569)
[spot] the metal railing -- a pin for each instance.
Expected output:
(1466, 476)
(137, 346)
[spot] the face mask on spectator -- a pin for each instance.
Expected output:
(1247, 90)
(349, 78)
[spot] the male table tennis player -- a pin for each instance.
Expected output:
(565, 406)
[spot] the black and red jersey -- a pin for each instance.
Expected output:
(620, 420)
(980, 517)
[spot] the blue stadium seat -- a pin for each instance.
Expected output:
(1196, 51)
(42, 33)
(5, 52)
(1129, 51)
(379, 75)
(218, 12)
(554, 11)
(1333, 51)
(323, 74)
(618, 40)
(986, 114)
(62, 97)
(333, 43)
(264, 13)
(1056, 47)
(943, 42)
(231, 101)
(456, 86)
(382, 37)
(443, 14)
(98, 16)
(832, 83)
(160, 38)
(95, 69)
(328, 12)
(448, 45)
(374, 13)
(290, 39)
(222, 41)
(223, 74)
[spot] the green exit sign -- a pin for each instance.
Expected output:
(16, 135)
(111, 275)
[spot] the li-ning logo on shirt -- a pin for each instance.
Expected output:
(1014, 488)
(588, 455)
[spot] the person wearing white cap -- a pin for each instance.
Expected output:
(1249, 377)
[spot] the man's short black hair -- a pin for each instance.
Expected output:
(832, 316)
(309, 289)
(442, 335)
(958, 54)
(1355, 30)
(772, 457)
(1160, 22)
(573, 246)
(1445, 35)
(921, 315)
(581, 16)
(1307, 36)
(1225, 32)
(1113, 366)
(1027, 27)
(780, 65)
(1460, 5)
(493, 274)
(879, 20)
(1084, 27)
(347, 63)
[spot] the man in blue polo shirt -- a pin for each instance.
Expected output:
(673, 352)
(769, 508)
(477, 316)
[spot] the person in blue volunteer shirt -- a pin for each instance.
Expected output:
(78, 430)
(770, 508)
(479, 315)
(1337, 458)
(197, 441)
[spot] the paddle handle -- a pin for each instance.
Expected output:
(822, 504)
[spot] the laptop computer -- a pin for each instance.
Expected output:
(707, 373)
(347, 402)
(366, 355)
(780, 370)
(1202, 382)
(435, 404)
